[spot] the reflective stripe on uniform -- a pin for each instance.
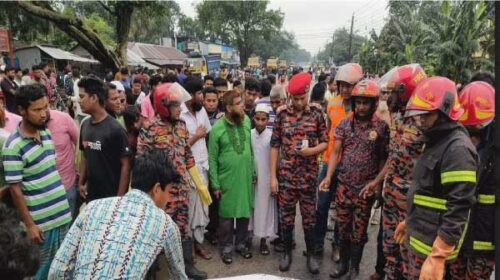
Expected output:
(483, 246)
(425, 249)
(430, 202)
(458, 176)
(486, 198)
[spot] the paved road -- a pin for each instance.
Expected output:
(269, 264)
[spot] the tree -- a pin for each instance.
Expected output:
(154, 21)
(93, 32)
(339, 48)
(281, 45)
(450, 39)
(459, 31)
(241, 23)
(86, 37)
(191, 28)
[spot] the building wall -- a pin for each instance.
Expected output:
(28, 57)
(203, 48)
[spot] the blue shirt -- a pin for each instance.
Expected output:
(119, 238)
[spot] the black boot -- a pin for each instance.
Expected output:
(356, 255)
(286, 260)
(345, 255)
(312, 255)
(191, 271)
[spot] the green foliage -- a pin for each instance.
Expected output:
(451, 39)
(154, 21)
(240, 23)
(151, 20)
(281, 45)
(101, 27)
(189, 27)
(339, 48)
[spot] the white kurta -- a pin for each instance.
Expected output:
(198, 212)
(265, 217)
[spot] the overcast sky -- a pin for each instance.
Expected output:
(314, 21)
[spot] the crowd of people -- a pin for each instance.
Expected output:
(168, 164)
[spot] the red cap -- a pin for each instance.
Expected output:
(299, 84)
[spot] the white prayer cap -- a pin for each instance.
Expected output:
(262, 107)
(119, 85)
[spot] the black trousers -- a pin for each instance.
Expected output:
(227, 234)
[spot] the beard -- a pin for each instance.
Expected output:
(197, 106)
(38, 126)
(363, 118)
(236, 117)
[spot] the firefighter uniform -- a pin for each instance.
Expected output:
(444, 180)
(476, 260)
(442, 193)
(405, 148)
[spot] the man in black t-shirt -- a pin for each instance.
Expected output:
(9, 89)
(105, 163)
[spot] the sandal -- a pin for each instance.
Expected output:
(264, 249)
(226, 258)
(202, 251)
(245, 253)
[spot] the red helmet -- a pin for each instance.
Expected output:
(350, 73)
(405, 79)
(478, 101)
(167, 94)
(366, 88)
(435, 93)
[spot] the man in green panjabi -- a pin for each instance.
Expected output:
(231, 170)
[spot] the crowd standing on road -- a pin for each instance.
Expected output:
(138, 166)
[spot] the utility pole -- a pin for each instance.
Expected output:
(331, 49)
(350, 37)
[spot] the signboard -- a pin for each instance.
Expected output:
(272, 63)
(227, 52)
(213, 62)
(214, 49)
(192, 45)
(253, 61)
(282, 63)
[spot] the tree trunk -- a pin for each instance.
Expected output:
(75, 28)
(124, 11)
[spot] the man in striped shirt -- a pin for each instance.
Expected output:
(30, 172)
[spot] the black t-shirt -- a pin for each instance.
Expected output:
(103, 144)
(8, 87)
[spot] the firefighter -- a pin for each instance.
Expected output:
(338, 107)
(361, 138)
(444, 181)
(299, 135)
(476, 259)
(404, 148)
